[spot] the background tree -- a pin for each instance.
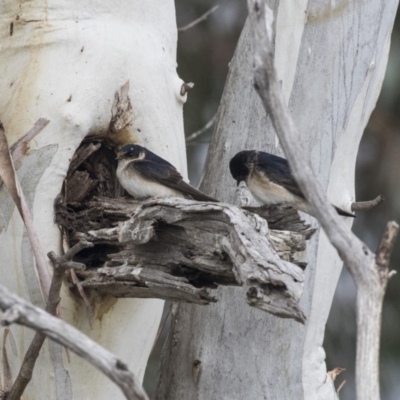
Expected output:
(196, 345)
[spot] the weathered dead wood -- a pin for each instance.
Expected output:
(176, 249)
(81, 186)
(283, 218)
(83, 152)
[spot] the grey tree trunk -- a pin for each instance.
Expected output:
(331, 58)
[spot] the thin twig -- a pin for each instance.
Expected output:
(81, 291)
(335, 373)
(198, 20)
(341, 386)
(64, 262)
(367, 205)
(60, 264)
(17, 310)
(204, 129)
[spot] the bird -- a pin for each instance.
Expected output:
(270, 180)
(144, 174)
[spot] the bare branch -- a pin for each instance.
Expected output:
(51, 290)
(20, 311)
(204, 129)
(81, 291)
(198, 20)
(359, 260)
(367, 205)
(28, 364)
(7, 376)
(10, 179)
(269, 89)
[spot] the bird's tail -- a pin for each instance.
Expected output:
(191, 192)
(344, 213)
(200, 196)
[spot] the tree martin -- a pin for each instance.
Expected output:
(144, 174)
(270, 180)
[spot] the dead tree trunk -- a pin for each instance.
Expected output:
(331, 59)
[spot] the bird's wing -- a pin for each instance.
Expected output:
(166, 174)
(278, 171)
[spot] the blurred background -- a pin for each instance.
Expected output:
(204, 52)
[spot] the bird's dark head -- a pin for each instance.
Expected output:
(241, 165)
(131, 152)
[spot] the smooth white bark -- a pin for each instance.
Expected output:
(64, 61)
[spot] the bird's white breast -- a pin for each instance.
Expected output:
(268, 192)
(139, 187)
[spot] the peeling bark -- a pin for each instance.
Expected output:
(176, 249)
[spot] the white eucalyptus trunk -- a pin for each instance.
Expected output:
(63, 60)
(331, 57)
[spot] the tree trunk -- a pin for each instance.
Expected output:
(331, 59)
(64, 61)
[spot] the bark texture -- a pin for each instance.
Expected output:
(176, 249)
(331, 58)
